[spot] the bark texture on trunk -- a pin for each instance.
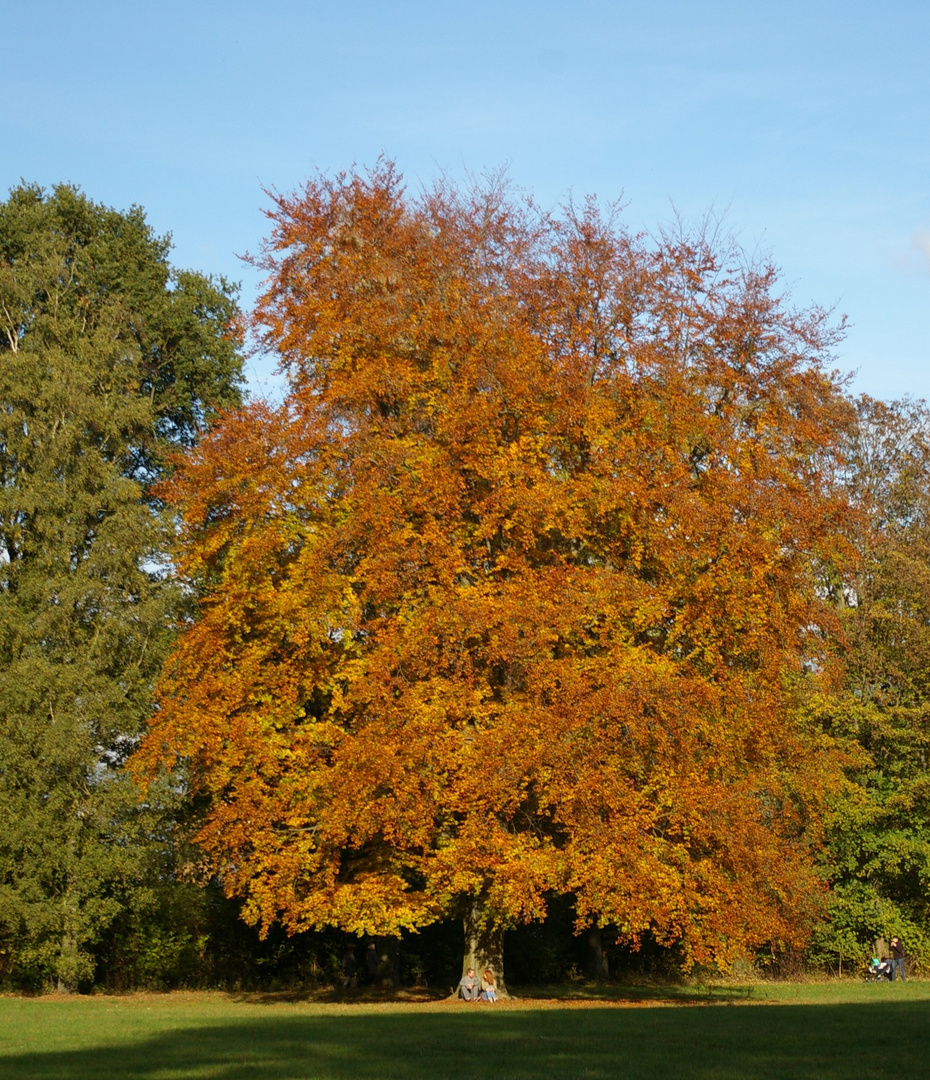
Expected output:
(484, 946)
(388, 960)
(67, 962)
(597, 959)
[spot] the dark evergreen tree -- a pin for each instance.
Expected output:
(108, 358)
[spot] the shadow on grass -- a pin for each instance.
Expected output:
(673, 993)
(710, 994)
(789, 1042)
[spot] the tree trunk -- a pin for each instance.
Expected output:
(388, 960)
(597, 960)
(484, 945)
(67, 962)
(74, 965)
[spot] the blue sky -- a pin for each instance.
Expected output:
(806, 124)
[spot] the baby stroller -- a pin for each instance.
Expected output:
(878, 970)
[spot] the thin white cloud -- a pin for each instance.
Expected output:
(921, 242)
(915, 258)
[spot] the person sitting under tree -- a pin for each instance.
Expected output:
(488, 989)
(469, 987)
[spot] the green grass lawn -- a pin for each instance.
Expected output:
(821, 1031)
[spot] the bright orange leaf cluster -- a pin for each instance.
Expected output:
(510, 594)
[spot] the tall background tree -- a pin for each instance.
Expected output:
(108, 358)
(512, 595)
(878, 852)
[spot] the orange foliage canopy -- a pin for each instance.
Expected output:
(510, 594)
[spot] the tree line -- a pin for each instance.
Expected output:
(568, 600)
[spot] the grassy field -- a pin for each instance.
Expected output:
(826, 1031)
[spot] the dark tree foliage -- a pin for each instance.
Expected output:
(108, 357)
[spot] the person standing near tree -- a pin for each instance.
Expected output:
(897, 959)
(349, 977)
(371, 962)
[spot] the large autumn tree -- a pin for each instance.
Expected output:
(109, 357)
(512, 593)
